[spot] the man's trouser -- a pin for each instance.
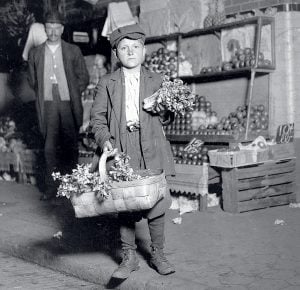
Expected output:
(61, 141)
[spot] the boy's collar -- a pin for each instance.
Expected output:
(128, 72)
(116, 74)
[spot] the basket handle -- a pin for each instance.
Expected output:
(102, 163)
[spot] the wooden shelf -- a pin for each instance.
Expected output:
(234, 73)
(210, 30)
(210, 138)
(165, 37)
(213, 29)
(249, 72)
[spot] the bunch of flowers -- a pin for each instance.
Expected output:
(82, 180)
(174, 96)
(121, 171)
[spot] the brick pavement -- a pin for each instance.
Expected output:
(19, 274)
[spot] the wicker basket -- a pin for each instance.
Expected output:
(126, 196)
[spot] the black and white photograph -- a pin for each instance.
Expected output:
(149, 144)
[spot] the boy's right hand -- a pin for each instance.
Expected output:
(107, 146)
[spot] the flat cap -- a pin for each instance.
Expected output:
(133, 31)
(54, 17)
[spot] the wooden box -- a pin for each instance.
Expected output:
(29, 162)
(230, 159)
(6, 160)
(190, 181)
(281, 151)
(257, 186)
(23, 165)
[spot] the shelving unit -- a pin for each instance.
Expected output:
(234, 73)
(249, 72)
(213, 138)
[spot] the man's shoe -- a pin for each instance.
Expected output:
(129, 264)
(159, 262)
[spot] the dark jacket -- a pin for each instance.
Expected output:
(76, 74)
(109, 123)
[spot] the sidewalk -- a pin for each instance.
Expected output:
(211, 250)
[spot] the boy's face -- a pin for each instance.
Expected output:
(131, 52)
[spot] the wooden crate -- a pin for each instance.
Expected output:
(23, 165)
(281, 151)
(29, 162)
(258, 186)
(6, 161)
(230, 159)
(190, 181)
(27, 165)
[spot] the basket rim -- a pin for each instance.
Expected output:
(146, 181)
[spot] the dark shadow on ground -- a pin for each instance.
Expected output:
(114, 283)
(81, 235)
(99, 234)
(92, 234)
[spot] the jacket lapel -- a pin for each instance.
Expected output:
(65, 57)
(40, 62)
(145, 91)
(116, 88)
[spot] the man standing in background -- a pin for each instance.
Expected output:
(58, 74)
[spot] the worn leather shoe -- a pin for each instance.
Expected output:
(129, 264)
(159, 262)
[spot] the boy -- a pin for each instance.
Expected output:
(119, 121)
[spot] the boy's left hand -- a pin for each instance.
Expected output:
(159, 109)
(166, 116)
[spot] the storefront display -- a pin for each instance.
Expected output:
(244, 123)
(17, 161)
(222, 54)
(204, 121)
(248, 120)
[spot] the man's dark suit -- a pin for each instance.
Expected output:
(59, 121)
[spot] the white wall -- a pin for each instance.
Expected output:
(285, 81)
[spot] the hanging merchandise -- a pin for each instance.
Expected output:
(162, 17)
(186, 15)
(216, 13)
(155, 17)
(118, 15)
(36, 36)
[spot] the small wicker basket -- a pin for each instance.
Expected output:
(125, 196)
